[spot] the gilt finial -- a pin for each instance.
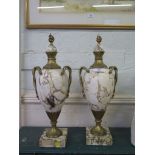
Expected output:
(98, 39)
(51, 38)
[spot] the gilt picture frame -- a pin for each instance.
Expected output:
(80, 14)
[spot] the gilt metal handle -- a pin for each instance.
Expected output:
(37, 68)
(70, 76)
(111, 68)
(81, 82)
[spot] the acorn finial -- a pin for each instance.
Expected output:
(99, 39)
(51, 38)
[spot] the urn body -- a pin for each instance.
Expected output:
(99, 86)
(52, 88)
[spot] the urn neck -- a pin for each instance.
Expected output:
(98, 60)
(51, 62)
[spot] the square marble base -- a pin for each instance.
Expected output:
(98, 140)
(59, 142)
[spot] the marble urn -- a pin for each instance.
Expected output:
(52, 85)
(98, 86)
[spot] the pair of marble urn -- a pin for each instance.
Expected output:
(52, 86)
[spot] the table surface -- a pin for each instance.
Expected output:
(76, 142)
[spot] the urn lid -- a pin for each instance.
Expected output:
(98, 53)
(51, 54)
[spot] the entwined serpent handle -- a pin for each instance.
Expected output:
(81, 82)
(37, 68)
(111, 68)
(70, 76)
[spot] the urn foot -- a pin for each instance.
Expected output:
(105, 139)
(98, 130)
(58, 142)
(54, 132)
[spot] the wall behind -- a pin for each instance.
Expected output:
(75, 49)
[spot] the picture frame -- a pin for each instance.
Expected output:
(39, 15)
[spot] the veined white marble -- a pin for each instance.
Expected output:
(98, 87)
(59, 142)
(98, 140)
(52, 88)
